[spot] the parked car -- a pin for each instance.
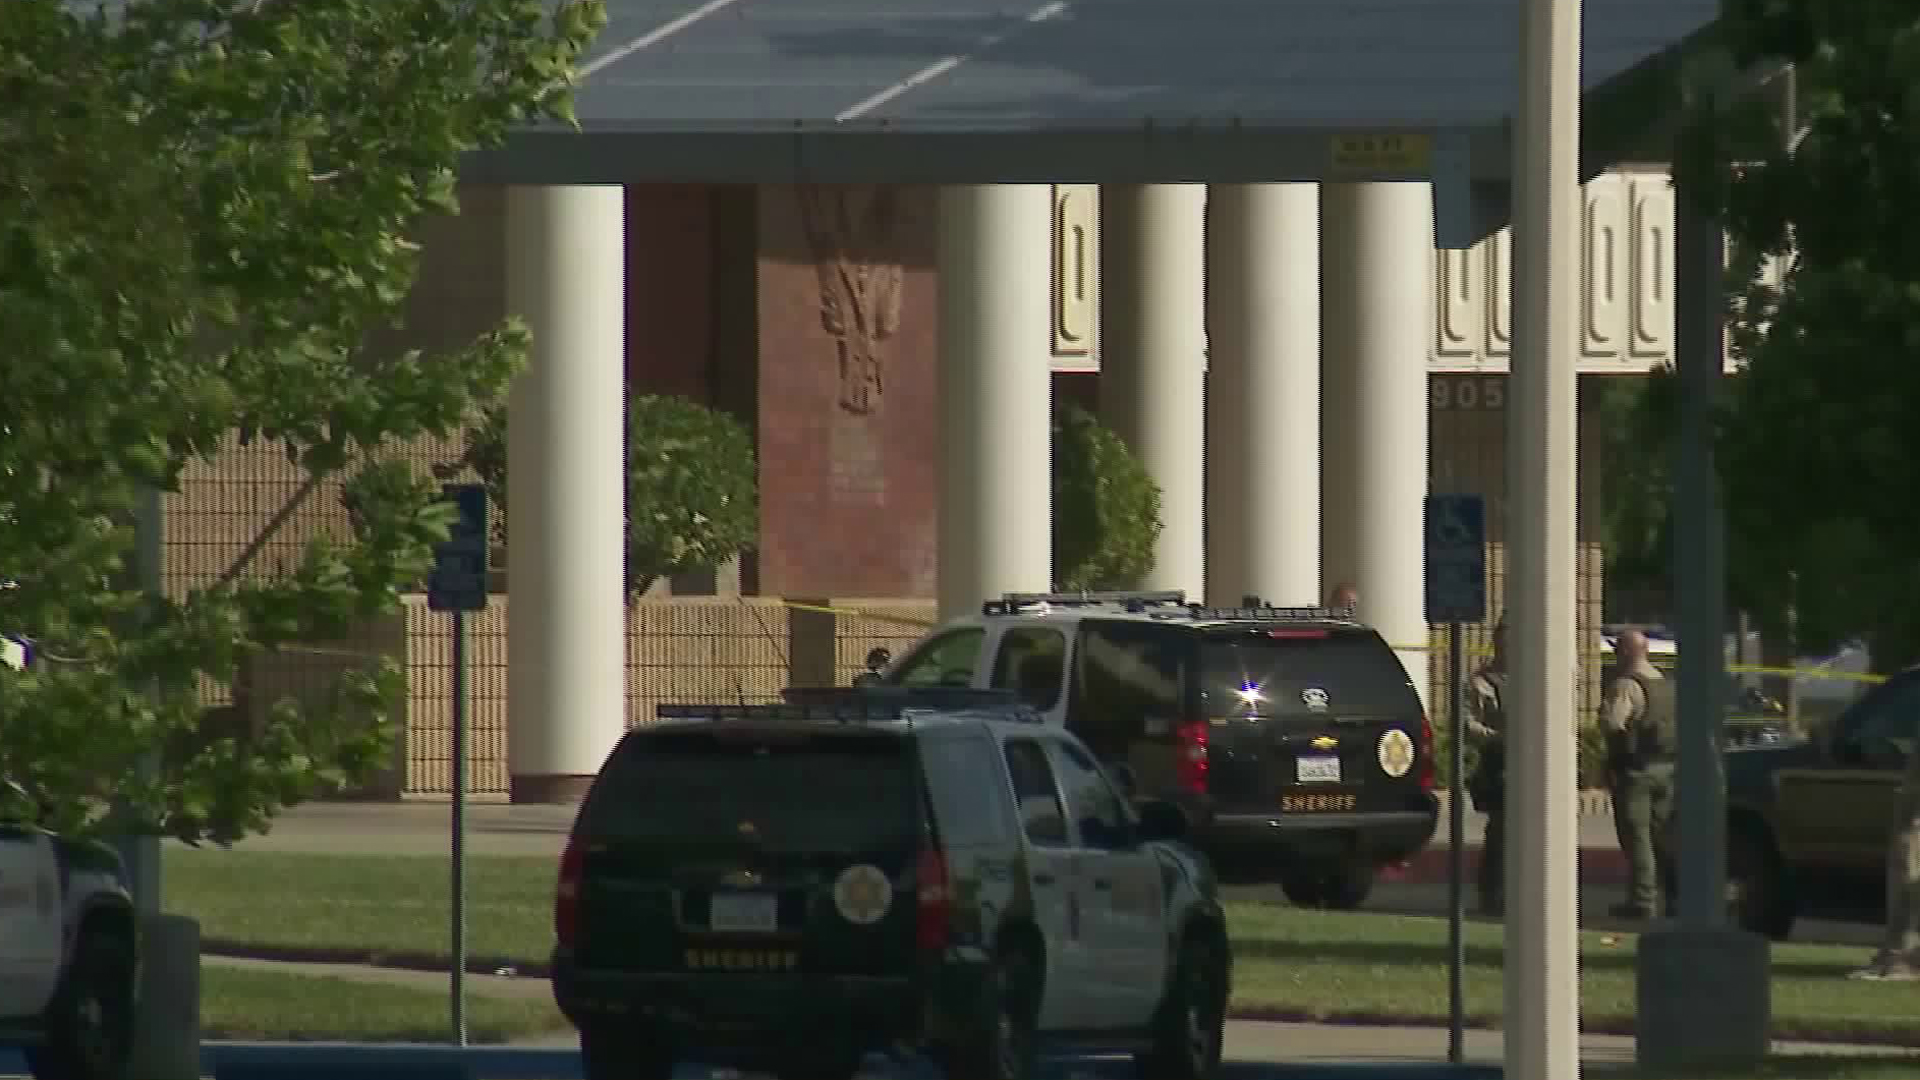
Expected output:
(788, 888)
(68, 949)
(1292, 738)
(1808, 823)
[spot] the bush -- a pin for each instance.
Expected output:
(1106, 508)
(692, 485)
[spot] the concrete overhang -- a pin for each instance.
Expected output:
(987, 91)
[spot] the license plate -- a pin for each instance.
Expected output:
(1317, 770)
(754, 912)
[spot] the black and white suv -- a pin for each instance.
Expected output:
(791, 887)
(67, 949)
(1292, 737)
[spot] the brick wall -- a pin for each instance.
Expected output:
(849, 425)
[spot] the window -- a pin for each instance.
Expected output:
(1032, 662)
(1129, 674)
(1882, 730)
(1092, 804)
(1035, 794)
(945, 660)
(972, 811)
(1289, 672)
(797, 790)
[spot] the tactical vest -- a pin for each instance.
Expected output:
(1654, 735)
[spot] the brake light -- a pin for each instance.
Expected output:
(936, 910)
(566, 896)
(1191, 765)
(1426, 754)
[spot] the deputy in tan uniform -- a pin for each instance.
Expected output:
(1486, 723)
(1639, 717)
(1899, 955)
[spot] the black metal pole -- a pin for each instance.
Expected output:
(458, 829)
(1456, 853)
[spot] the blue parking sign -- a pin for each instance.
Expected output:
(1456, 541)
(459, 578)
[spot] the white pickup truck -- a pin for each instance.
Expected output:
(68, 949)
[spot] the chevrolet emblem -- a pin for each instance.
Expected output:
(740, 879)
(1325, 742)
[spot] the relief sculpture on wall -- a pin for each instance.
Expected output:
(851, 233)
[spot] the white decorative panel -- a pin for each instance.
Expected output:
(1076, 270)
(1498, 300)
(1652, 279)
(1604, 276)
(1458, 306)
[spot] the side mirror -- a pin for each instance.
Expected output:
(1161, 820)
(879, 658)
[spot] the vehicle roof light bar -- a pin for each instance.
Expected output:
(1133, 600)
(1264, 613)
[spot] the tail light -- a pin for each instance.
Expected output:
(1191, 765)
(1425, 762)
(566, 896)
(936, 902)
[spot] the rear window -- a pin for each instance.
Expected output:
(811, 790)
(1295, 671)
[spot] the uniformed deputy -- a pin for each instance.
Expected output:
(1639, 719)
(1487, 787)
(1899, 955)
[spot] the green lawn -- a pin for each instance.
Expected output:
(249, 1004)
(1791, 1067)
(1290, 963)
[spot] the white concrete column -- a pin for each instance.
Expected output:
(1376, 250)
(1153, 355)
(566, 552)
(1263, 393)
(996, 388)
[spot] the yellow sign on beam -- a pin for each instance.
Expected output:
(1383, 153)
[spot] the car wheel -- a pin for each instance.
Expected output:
(1759, 899)
(1190, 1025)
(1003, 1046)
(90, 1020)
(622, 1057)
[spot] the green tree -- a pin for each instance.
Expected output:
(204, 211)
(1818, 447)
(692, 485)
(1106, 507)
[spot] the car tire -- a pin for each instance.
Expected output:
(1759, 895)
(90, 1021)
(1342, 886)
(1002, 1046)
(622, 1057)
(1190, 1025)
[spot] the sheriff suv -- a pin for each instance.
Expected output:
(790, 887)
(1291, 737)
(67, 949)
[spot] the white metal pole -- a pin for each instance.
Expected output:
(1542, 967)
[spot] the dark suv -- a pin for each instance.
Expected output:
(791, 887)
(1292, 737)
